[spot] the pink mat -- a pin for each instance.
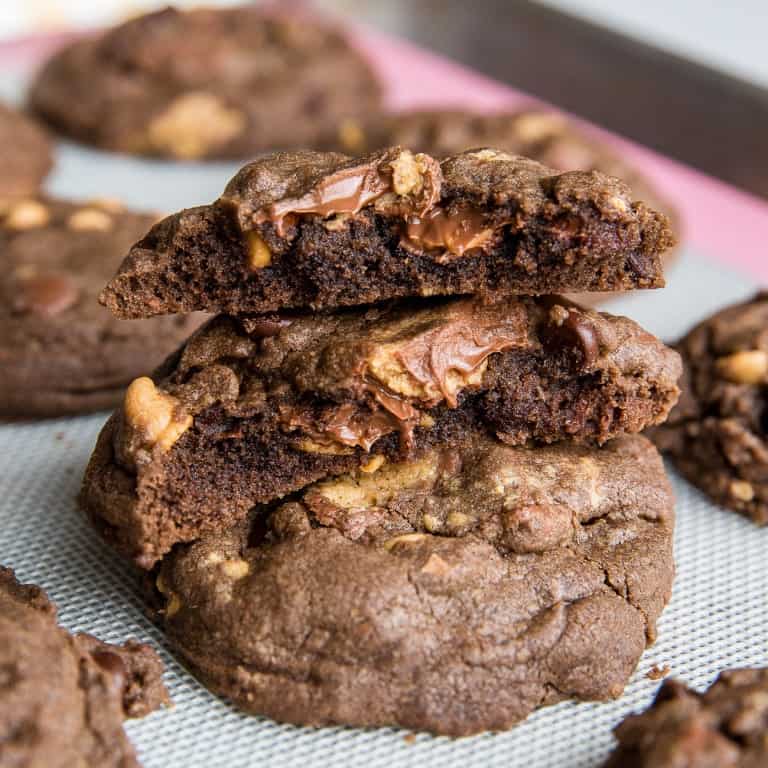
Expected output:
(723, 222)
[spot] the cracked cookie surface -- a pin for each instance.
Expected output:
(63, 698)
(60, 352)
(252, 408)
(725, 726)
(322, 230)
(206, 83)
(454, 594)
(716, 435)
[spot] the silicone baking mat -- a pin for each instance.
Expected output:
(718, 616)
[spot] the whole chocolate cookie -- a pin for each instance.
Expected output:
(60, 351)
(324, 230)
(724, 727)
(453, 594)
(25, 155)
(253, 408)
(204, 83)
(63, 698)
(716, 435)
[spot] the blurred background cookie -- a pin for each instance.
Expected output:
(205, 83)
(60, 351)
(25, 155)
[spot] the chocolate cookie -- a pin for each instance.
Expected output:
(716, 436)
(724, 727)
(547, 137)
(63, 698)
(60, 351)
(25, 155)
(206, 83)
(323, 230)
(454, 594)
(253, 408)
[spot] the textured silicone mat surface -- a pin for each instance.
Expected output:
(718, 617)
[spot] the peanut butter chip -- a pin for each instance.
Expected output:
(746, 367)
(90, 219)
(259, 255)
(406, 538)
(406, 174)
(742, 490)
(194, 124)
(173, 606)
(235, 569)
(27, 214)
(351, 135)
(154, 414)
(372, 464)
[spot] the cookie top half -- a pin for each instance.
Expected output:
(64, 698)
(61, 352)
(454, 594)
(322, 230)
(25, 155)
(205, 83)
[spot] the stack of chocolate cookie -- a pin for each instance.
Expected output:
(394, 481)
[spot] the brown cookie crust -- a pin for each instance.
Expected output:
(61, 353)
(63, 698)
(716, 436)
(206, 83)
(724, 727)
(454, 594)
(253, 408)
(299, 229)
(25, 155)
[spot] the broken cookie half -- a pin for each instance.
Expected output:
(322, 230)
(253, 408)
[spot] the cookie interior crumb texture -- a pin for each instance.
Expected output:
(321, 230)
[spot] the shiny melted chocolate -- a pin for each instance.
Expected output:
(464, 229)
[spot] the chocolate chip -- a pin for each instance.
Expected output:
(45, 293)
(573, 331)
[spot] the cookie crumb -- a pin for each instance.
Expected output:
(657, 673)
(409, 738)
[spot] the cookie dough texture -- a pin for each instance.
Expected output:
(726, 726)
(63, 698)
(716, 436)
(60, 352)
(454, 594)
(253, 408)
(206, 83)
(25, 155)
(299, 229)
